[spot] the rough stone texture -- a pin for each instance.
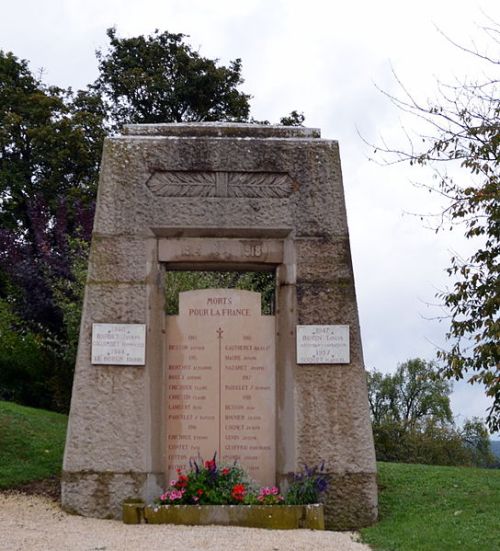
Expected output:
(309, 163)
(226, 182)
(99, 494)
(352, 502)
(220, 129)
(112, 259)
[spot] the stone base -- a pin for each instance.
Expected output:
(279, 517)
(101, 494)
(351, 501)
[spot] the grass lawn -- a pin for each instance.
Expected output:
(429, 508)
(31, 444)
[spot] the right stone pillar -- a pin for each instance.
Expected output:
(332, 417)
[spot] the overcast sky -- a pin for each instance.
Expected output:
(325, 58)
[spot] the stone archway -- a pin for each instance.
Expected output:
(221, 196)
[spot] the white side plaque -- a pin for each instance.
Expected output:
(118, 343)
(323, 344)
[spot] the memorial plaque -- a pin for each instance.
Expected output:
(118, 343)
(220, 382)
(323, 344)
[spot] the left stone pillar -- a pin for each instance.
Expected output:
(112, 450)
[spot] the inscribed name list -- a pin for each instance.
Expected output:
(323, 344)
(118, 343)
(220, 382)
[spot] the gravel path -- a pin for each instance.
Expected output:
(35, 523)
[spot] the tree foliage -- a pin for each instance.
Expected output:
(50, 147)
(464, 135)
(159, 78)
(413, 423)
(409, 396)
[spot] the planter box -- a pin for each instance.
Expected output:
(280, 517)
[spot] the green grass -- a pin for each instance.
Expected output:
(31, 444)
(430, 508)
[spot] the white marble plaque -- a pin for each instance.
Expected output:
(323, 344)
(118, 343)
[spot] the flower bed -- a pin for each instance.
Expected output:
(208, 494)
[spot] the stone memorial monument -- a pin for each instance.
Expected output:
(274, 392)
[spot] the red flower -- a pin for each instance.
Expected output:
(226, 471)
(199, 492)
(210, 465)
(181, 481)
(238, 492)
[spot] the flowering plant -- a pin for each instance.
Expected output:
(208, 484)
(307, 485)
(270, 495)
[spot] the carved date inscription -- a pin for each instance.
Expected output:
(214, 249)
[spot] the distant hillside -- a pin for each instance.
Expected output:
(495, 447)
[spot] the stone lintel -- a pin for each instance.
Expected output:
(255, 251)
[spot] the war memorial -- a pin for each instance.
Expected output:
(273, 392)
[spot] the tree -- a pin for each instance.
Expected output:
(293, 119)
(409, 396)
(159, 78)
(413, 423)
(464, 132)
(476, 439)
(50, 147)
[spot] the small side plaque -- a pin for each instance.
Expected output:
(323, 344)
(118, 343)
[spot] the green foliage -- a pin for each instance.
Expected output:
(411, 395)
(293, 119)
(68, 295)
(424, 508)
(36, 364)
(476, 440)
(31, 444)
(25, 367)
(50, 145)
(178, 282)
(463, 134)
(159, 78)
(50, 148)
(412, 420)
